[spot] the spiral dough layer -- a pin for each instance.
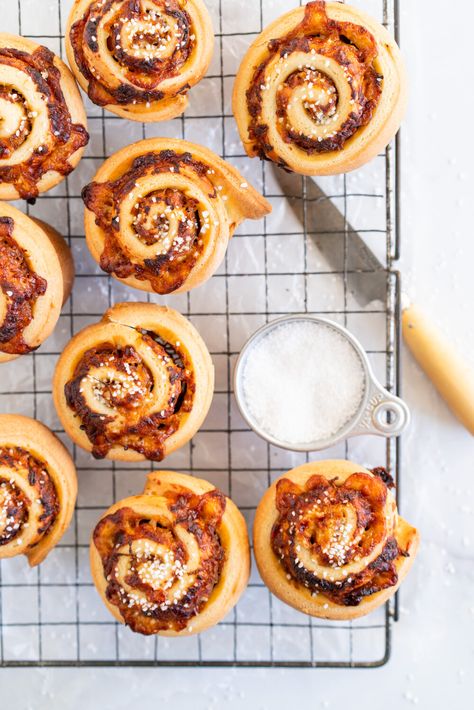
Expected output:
(38, 488)
(36, 275)
(139, 58)
(173, 560)
(329, 541)
(43, 123)
(136, 385)
(160, 213)
(320, 91)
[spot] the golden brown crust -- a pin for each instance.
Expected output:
(64, 254)
(139, 60)
(160, 213)
(321, 90)
(189, 572)
(136, 385)
(38, 488)
(44, 122)
(327, 573)
(36, 275)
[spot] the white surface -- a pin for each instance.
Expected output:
(433, 647)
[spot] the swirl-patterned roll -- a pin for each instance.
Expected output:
(135, 386)
(38, 488)
(174, 560)
(321, 91)
(42, 119)
(329, 541)
(160, 214)
(139, 58)
(36, 276)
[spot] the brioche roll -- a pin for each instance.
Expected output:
(172, 561)
(38, 488)
(321, 91)
(42, 119)
(329, 541)
(36, 277)
(160, 214)
(137, 385)
(139, 59)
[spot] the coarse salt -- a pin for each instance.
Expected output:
(302, 382)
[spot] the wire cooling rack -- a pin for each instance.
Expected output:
(52, 615)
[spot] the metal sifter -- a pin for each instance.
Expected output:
(377, 412)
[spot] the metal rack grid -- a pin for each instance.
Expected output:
(51, 615)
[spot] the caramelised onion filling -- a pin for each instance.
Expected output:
(29, 502)
(169, 220)
(20, 288)
(16, 121)
(319, 96)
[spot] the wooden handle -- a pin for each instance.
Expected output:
(450, 374)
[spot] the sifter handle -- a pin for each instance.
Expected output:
(448, 371)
